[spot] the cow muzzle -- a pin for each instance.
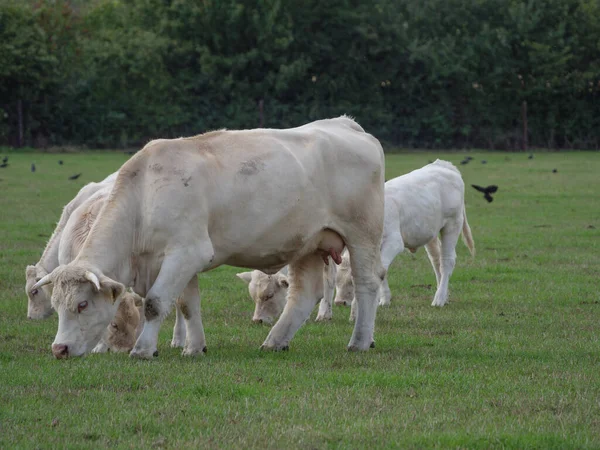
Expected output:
(60, 351)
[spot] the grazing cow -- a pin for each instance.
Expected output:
(38, 304)
(259, 199)
(269, 293)
(419, 206)
(73, 236)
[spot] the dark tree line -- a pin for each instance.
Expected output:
(416, 73)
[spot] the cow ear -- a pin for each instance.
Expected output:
(114, 289)
(246, 276)
(282, 280)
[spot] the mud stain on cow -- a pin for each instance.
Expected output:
(156, 167)
(151, 309)
(186, 181)
(251, 167)
(184, 310)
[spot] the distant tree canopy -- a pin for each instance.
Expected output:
(430, 73)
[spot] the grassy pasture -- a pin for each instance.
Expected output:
(512, 362)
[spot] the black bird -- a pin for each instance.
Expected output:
(33, 167)
(530, 156)
(4, 164)
(487, 191)
(4, 159)
(464, 161)
(74, 177)
(483, 161)
(554, 170)
(469, 158)
(60, 163)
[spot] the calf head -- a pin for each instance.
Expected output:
(269, 293)
(124, 329)
(86, 302)
(38, 300)
(344, 284)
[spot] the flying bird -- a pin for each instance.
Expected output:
(487, 191)
(74, 177)
(33, 167)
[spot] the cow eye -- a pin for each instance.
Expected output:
(82, 306)
(114, 325)
(34, 292)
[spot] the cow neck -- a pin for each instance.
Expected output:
(109, 245)
(49, 258)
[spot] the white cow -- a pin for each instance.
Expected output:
(124, 328)
(38, 300)
(254, 198)
(419, 206)
(269, 293)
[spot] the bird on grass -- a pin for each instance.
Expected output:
(483, 161)
(74, 177)
(464, 162)
(487, 191)
(4, 164)
(60, 163)
(554, 170)
(4, 159)
(530, 156)
(33, 167)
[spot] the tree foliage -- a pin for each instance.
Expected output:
(433, 73)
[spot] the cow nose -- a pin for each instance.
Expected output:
(60, 351)
(257, 320)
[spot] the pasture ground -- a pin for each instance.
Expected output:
(512, 362)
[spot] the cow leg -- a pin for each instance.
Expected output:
(450, 236)
(390, 248)
(325, 307)
(304, 277)
(433, 251)
(177, 269)
(189, 304)
(368, 274)
(179, 328)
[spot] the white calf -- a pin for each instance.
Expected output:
(419, 206)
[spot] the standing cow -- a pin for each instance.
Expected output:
(253, 198)
(38, 299)
(419, 206)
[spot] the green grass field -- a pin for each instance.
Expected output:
(512, 362)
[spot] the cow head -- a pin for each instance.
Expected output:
(38, 300)
(124, 328)
(268, 292)
(86, 302)
(344, 284)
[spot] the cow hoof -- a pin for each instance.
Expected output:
(177, 343)
(384, 302)
(140, 354)
(204, 350)
(193, 351)
(322, 318)
(276, 348)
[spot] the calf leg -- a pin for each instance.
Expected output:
(179, 328)
(177, 269)
(390, 248)
(325, 310)
(304, 277)
(433, 251)
(448, 259)
(189, 304)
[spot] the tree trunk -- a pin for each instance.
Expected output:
(261, 116)
(20, 119)
(524, 117)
